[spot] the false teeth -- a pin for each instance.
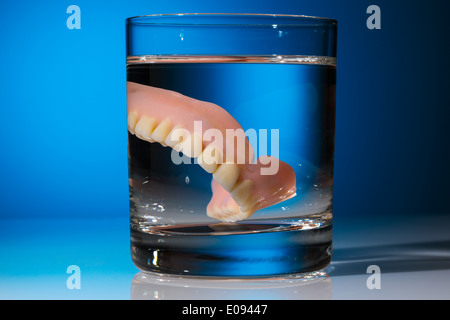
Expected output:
(162, 131)
(226, 175)
(163, 116)
(210, 158)
(176, 137)
(192, 145)
(145, 127)
(132, 120)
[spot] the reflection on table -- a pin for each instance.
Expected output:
(147, 286)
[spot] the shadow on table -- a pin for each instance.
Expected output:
(391, 258)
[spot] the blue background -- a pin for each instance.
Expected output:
(62, 93)
(63, 152)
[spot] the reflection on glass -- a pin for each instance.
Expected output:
(310, 286)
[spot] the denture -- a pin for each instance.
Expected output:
(239, 188)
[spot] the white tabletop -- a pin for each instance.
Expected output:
(412, 255)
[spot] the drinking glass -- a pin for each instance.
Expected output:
(231, 143)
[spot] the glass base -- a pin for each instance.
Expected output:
(314, 285)
(249, 249)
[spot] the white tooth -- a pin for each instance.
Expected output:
(213, 213)
(226, 175)
(145, 127)
(248, 205)
(210, 158)
(162, 131)
(241, 192)
(192, 145)
(176, 137)
(132, 119)
(230, 215)
(244, 214)
(213, 210)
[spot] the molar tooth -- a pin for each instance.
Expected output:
(162, 131)
(248, 206)
(226, 175)
(241, 192)
(192, 146)
(176, 137)
(132, 120)
(213, 213)
(243, 214)
(230, 215)
(210, 158)
(145, 127)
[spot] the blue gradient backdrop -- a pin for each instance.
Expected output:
(63, 130)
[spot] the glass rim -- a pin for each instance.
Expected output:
(303, 20)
